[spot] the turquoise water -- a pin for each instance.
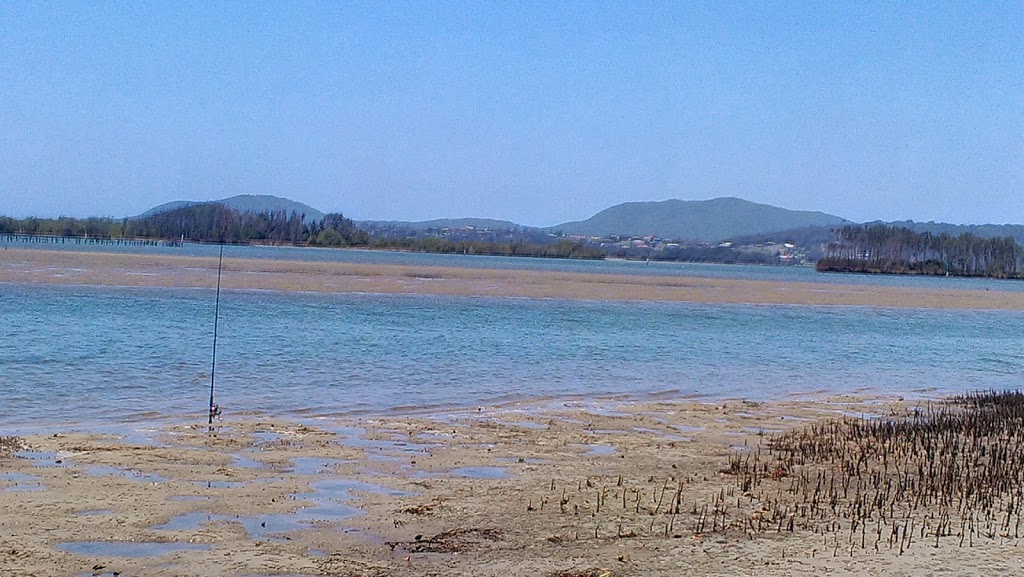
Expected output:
(92, 355)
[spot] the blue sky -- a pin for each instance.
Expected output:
(535, 112)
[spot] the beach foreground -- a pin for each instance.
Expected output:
(152, 270)
(558, 488)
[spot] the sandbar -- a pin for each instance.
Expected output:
(149, 270)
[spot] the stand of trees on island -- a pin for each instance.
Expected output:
(216, 223)
(897, 250)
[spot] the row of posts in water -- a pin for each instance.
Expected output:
(86, 240)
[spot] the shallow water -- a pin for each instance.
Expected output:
(98, 470)
(127, 549)
(107, 357)
(18, 482)
(480, 472)
(328, 502)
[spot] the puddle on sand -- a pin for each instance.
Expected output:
(596, 450)
(481, 472)
(98, 471)
(18, 477)
(23, 488)
(43, 458)
(313, 465)
(521, 460)
(355, 437)
(266, 437)
(127, 549)
(22, 482)
(267, 527)
(327, 505)
(345, 487)
(241, 461)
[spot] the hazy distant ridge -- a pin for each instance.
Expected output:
(442, 223)
(247, 203)
(696, 220)
(693, 220)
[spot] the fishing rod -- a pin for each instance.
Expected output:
(214, 409)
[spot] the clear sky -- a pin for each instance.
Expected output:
(538, 112)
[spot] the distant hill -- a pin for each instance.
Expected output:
(246, 203)
(167, 207)
(441, 223)
(696, 220)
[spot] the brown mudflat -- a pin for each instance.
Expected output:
(108, 269)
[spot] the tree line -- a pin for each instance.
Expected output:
(217, 223)
(560, 249)
(207, 222)
(897, 250)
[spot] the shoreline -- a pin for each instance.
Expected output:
(34, 266)
(561, 491)
(147, 420)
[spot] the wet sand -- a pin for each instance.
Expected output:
(551, 489)
(137, 270)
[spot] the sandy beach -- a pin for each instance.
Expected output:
(552, 488)
(108, 269)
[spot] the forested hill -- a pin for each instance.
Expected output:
(707, 221)
(252, 203)
(897, 250)
(216, 222)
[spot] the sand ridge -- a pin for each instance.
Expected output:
(150, 270)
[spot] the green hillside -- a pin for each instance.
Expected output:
(247, 203)
(696, 220)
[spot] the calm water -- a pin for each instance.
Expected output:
(99, 355)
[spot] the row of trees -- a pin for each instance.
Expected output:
(216, 223)
(893, 249)
(209, 222)
(560, 249)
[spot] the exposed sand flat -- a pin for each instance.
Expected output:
(556, 489)
(108, 269)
